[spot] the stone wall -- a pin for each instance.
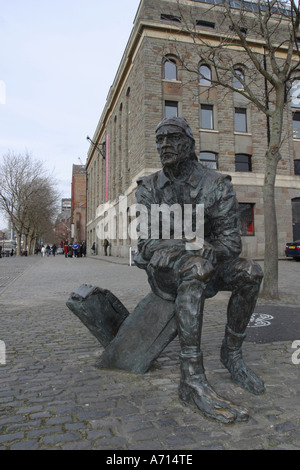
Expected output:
(135, 105)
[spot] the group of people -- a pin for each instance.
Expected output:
(5, 253)
(106, 245)
(48, 250)
(70, 250)
(75, 250)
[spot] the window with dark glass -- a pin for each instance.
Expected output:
(297, 167)
(172, 18)
(170, 69)
(243, 162)
(240, 119)
(209, 160)
(246, 219)
(242, 30)
(207, 121)
(171, 109)
(238, 78)
(296, 125)
(205, 24)
(205, 75)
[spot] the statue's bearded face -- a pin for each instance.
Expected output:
(173, 145)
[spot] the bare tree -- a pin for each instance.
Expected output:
(41, 212)
(264, 36)
(27, 196)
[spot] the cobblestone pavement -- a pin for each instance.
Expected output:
(53, 397)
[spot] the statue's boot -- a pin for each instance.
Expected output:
(194, 390)
(232, 358)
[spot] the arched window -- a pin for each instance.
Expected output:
(209, 160)
(205, 75)
(238, 78)
(295, 94)
(170, 69)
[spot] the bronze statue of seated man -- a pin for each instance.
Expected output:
(182, 276)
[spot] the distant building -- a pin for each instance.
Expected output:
(78, 203)
(230, 133)
(66, 205)
(3, 235)
(63, 222)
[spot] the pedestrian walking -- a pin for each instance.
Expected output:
(94, 248)
(75, 248)
(106, 244)
(79, 254)
(83, 248)
(43, 250)
(54, 249)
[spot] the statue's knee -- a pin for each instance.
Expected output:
(196, 268)
(251, 271)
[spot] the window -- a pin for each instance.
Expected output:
(205, 24)
(209, 160)
(243, 162)
(246, 219)
(297, 167)
(207, 116)
(240, 119)
(296, 125)
(170, 69)
(205, 75)
(295, 94)
(238, 78)
(174, 19)
(242, 30)
(171, 109)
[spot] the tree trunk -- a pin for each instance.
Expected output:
(270, 285)
(19, 236)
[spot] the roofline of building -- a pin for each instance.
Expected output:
(139, 31)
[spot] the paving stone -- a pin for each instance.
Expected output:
(54, 439)
(32, 444)
(53, 397)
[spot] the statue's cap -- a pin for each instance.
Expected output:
(178, 122)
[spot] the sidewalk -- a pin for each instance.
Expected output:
(53, 397)
(113, 259)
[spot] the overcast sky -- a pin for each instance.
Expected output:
(58, 59)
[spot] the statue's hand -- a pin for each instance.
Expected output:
(208, 252)
(162, 257)
(205, 251)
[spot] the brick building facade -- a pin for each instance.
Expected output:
(63, 222)
(78, 204)
(230, 133)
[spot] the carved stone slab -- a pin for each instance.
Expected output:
(132, 341)
(99, 310)
(142, 336)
